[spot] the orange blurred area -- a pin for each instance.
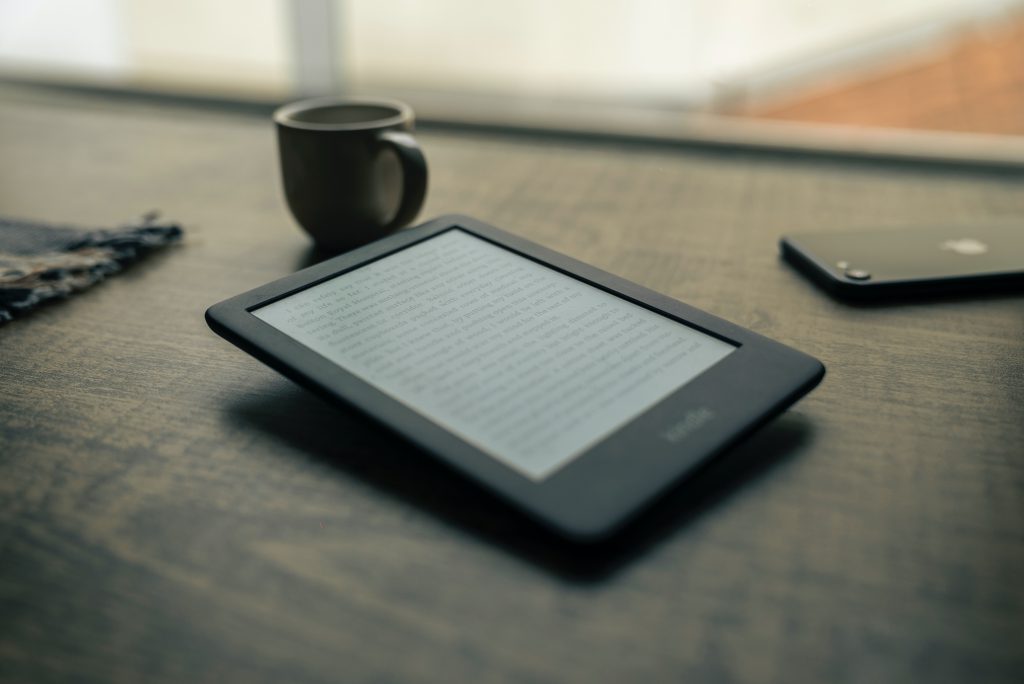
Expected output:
(975, 83)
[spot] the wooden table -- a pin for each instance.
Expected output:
(171, 510)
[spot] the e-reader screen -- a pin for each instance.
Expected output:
(528, 364)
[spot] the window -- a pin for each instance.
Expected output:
(842, 61)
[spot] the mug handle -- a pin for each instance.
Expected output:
(414, 175)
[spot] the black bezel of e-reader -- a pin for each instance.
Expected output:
(596, 492)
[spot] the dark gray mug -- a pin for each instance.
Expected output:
(352, 171)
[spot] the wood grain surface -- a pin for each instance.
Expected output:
(171, 510)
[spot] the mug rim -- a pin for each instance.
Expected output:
(284, 114)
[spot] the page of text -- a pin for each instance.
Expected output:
(530, 365)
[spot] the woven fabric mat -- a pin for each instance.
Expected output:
(40, 261)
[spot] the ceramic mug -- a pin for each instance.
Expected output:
(351, 169)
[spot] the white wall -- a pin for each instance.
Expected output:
(664, 51)
(57, 35)
(234, 47)
(231, 46)
(673, 50)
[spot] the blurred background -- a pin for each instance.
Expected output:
(954, 65)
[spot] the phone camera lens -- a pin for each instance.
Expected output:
(857, 274)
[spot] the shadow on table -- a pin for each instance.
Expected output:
(313, 255)
(344, 439)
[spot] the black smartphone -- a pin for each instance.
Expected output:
(883, 264)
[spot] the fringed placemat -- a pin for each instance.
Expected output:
(40, 262)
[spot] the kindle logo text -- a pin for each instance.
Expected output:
(690, 423)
